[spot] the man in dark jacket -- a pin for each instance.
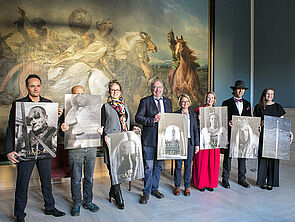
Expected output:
(240, 107)
(25, 168)
(148, 115)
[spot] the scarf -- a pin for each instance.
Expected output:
(119, 106)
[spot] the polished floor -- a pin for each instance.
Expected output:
(235, 204)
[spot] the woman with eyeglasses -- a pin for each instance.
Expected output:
(184, 103)
(115, 118)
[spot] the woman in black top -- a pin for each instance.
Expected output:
(268, 168)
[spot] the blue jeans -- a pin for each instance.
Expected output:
(152, 169)
(187, 168)
(78, 158)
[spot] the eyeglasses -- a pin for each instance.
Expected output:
(115, 90)
(157, 87)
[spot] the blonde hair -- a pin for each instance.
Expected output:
(185, 96)
(206, 97)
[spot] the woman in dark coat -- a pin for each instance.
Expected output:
(115, 118)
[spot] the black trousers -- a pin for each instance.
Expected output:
(227, 167)
(115, 187)
(24, 171)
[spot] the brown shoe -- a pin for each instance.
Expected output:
(144, 199)
(176, 191)
(158, 194)
(187, 192)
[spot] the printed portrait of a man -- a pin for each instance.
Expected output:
(36, 137)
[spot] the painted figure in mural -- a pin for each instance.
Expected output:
(186, 78)
(175, 61)
(35, 52)
(105, 29)
(40, 43)
(5, 50)
(133, 49)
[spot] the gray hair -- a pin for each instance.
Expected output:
(154, 81)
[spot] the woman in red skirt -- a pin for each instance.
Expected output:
(205, 170)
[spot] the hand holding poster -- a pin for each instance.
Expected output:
(213, 127)
(36, 128)
(126, 159)
(244, 137)
(276, 138)
(172, 136)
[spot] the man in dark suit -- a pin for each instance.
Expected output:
(25, 168)
(240, 107)
(148, 115)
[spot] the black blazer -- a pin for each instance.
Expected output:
(10, 132)
(145, 114)
(195, 139)
(233, 110)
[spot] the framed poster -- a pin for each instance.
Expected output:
(213, 127)
(88, 43)
(276, 138)
(244, 138)
(172, 136)
(83, 118)
(36, 130)
(126, 158)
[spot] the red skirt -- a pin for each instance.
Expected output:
(205, 170)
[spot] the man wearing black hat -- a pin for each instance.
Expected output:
(240, 107)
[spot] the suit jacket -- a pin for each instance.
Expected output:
(146, 112)
(194, 132)
(10, 132)
(233, 110)
(110, 121)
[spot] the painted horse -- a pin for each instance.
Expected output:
(186, 78)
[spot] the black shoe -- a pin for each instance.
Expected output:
(209, 189)
(202, 190)
(244, 184)
(269, 188)
(117, 196)
(263, 187)
(91, 206)
(75, 211)
(54, 212)
(144, 199)
(157, 194)
(225, 184)
(20, 219)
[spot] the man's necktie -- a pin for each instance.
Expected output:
(159, 105)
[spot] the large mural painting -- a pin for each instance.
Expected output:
(91, 42)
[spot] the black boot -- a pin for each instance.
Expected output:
(119, 199)
(117, 196)
(111, 194)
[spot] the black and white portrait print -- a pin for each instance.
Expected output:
(36, 130)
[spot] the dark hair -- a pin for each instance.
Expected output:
(113, 82)
(38, 109)
(262, 101)
(31, 76)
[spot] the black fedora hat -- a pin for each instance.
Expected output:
(239, 84)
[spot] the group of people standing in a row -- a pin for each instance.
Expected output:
(115, 117)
